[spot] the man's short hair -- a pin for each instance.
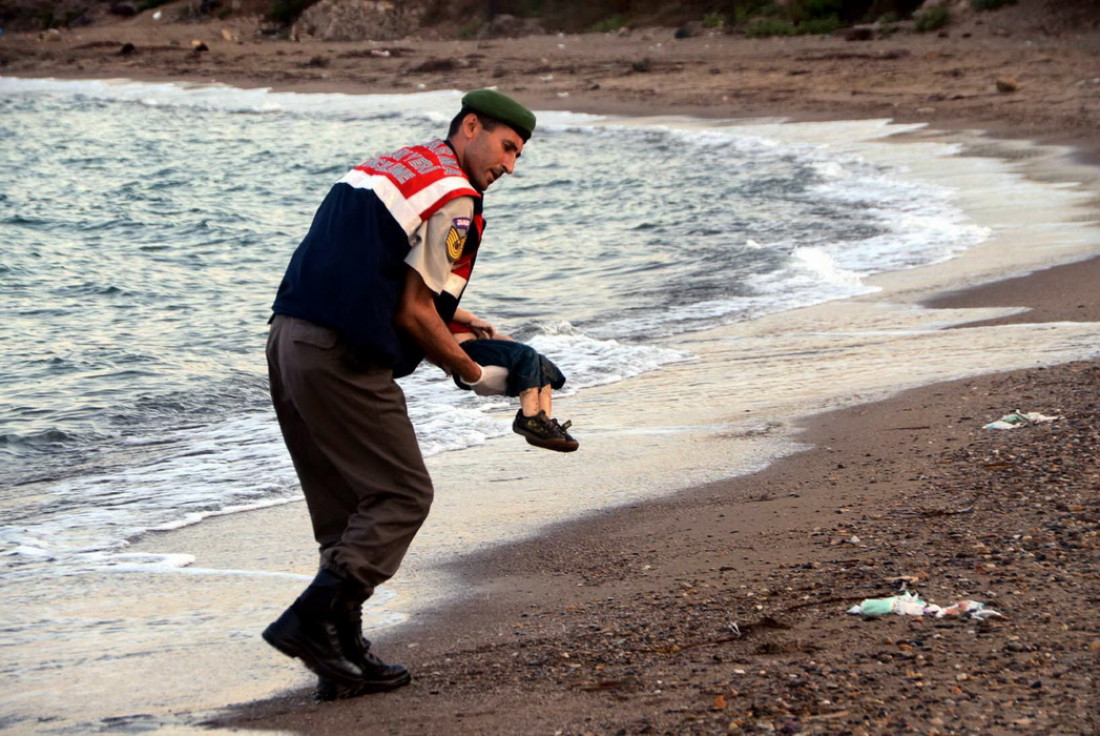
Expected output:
(486, 122)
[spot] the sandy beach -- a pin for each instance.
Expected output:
(720, 609)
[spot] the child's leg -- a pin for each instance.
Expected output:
(534, 400)
(546, 400)
(543, 399)
(530, 401)
(551, 378)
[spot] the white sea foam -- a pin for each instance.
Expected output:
(430, 106)
(815, 266)
(787, 217)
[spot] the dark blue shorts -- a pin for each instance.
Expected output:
(526, 367)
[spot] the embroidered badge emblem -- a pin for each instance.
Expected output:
(456, 237)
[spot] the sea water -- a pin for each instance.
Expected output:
(147, 227)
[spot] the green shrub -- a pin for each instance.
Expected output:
(933, 19)
(761, 18)
(819, 26)
(888, 24)
(743, 12)
(714, 20)
(764, 27)
(613, 23)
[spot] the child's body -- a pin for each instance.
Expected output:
(531, 376)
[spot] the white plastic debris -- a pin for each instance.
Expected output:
(905, 604)
(908, 604)
(1018, 419)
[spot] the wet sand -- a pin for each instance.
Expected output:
(722, 608)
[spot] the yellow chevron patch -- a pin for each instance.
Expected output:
(456, 238)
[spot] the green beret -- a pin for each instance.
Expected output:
(501, 107)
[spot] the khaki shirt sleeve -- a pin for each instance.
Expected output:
(429, 253)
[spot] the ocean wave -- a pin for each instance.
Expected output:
(143, 302)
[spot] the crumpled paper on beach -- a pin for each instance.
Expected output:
(1018, 419)
(908, 604)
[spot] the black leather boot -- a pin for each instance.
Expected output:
(377, 675)
(315, 629)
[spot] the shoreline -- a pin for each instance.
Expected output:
(571, 632)
(622, 621)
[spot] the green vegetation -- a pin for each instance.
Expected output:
(759, 18)
(888, 24)
(763, 27)
(820, 26)
(933, 19)
(714, 20)
(751, 17)
(613, 23)
(745, 11)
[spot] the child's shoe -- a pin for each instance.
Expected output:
(542, 431)
(563, 427)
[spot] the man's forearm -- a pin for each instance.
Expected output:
(417, 316)
(440, 345)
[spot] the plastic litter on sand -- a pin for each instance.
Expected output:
(1019, 419)
(908, 604)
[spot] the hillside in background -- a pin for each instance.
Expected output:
(471, 18)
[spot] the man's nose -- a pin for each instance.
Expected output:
(510, 163)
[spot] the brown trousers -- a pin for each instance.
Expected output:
(354, 449)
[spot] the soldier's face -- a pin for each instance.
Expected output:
(490, 154)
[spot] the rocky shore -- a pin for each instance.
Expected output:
(1031, 69)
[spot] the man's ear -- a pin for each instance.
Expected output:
(470, 125)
